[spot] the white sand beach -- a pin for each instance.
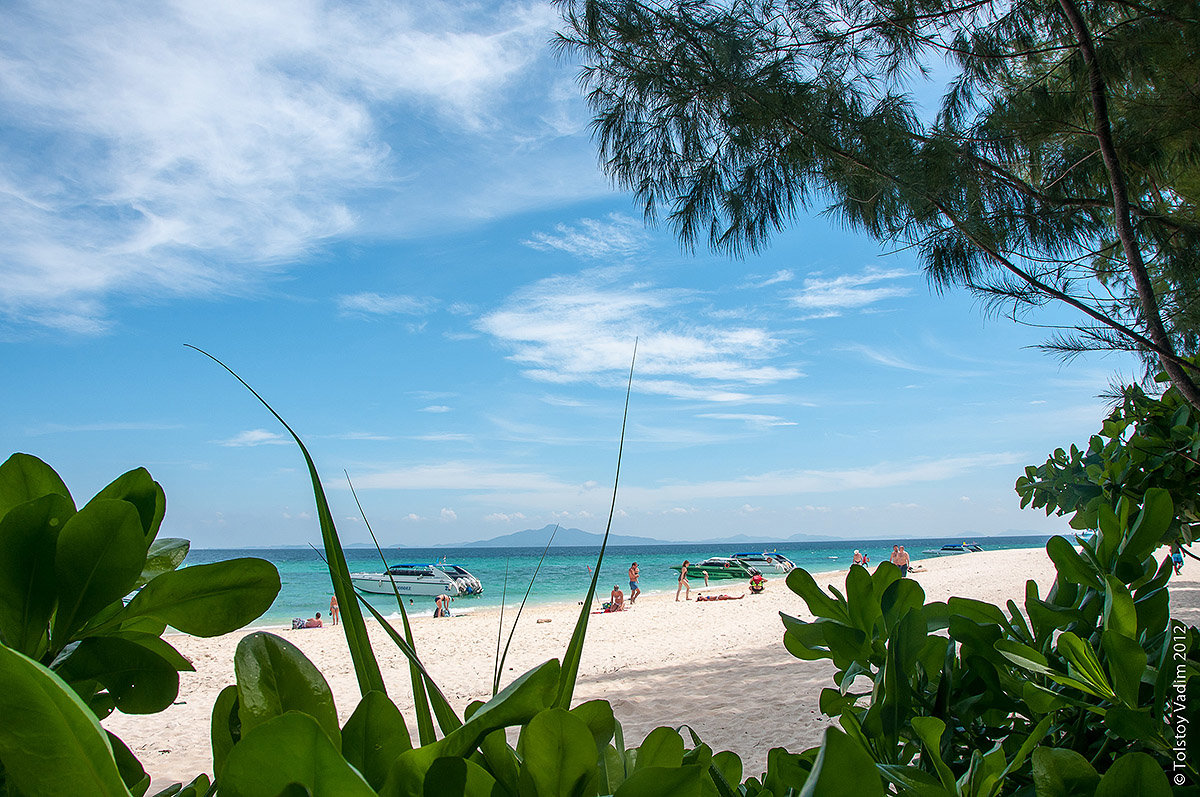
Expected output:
(718, 666)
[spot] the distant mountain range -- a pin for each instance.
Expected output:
(533, 538)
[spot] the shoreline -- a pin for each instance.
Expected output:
(718, 666)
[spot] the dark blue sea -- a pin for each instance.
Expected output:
(565, 574)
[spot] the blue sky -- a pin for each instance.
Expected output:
(389, 219)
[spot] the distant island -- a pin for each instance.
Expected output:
(535, 538)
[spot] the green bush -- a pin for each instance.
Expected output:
(1068, 697)
(73, 648)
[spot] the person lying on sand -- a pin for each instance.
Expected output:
(314, 622)
(721, 597)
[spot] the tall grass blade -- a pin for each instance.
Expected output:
(425, 732)
(500, 630)
(447, 719)
(570, 665)
(500, 658)
(366, 668)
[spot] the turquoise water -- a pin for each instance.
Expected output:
(564, 576)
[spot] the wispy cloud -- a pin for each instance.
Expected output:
(783, 275)
(255, 437)
(115, 426)
(581, 328)
(614, 238)
(749, 418)
(436, 408)
(196, 147)
(366, 304)
(827, 297)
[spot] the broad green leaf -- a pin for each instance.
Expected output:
(24, 477)
(842, 769)
(501, 760)
(97, 561)
(861, 600)
(1083, 662)
(292, 748)
(225, 727)
(1134, 773)
(274, 677)
(1071, 566)
(459, 777)
(977, 611)
(50, 742)
(663, 782)
(929, 730)
(663, 747)
(1063, 773)
(1119, 612)
(1158, 510)
(146, 495)
(558, 754)
(156, 644)
(729, 765)
(900, 597)
(133, 775)
(28, 536)
(1126, 665)
(1131, 724)
(139, 680)
(1023, 656)
(208, 600)
(819, 603)
(374, 736)
(163, 556)
(598, 716)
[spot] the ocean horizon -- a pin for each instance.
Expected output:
(565, 574)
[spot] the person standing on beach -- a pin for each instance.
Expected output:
(895, 557)
(857, 557)
(683, 583)
(902, 561)
(634, 589)
(1177, 557)
(333, 609)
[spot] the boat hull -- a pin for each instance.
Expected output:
(382, 585)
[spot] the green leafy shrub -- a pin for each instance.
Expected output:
(1146, 442)
(1072, 690)
(72, 648)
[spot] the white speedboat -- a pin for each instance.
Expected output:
(420, 579)
(945, 550)
(766, 561)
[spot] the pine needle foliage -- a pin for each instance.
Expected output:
(1062, 163)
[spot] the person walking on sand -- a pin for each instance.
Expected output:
(683, 583)
(902, 561)
(333, 609)
(634, 589)
(1177, 557)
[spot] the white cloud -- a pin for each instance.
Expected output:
(448, 515)
(616, 238)
(381, 304)
(783, 275)
(750, 418)
(501, 517)
(436, 408)
(581, 328)
(255, 437)
(824, 298)
(196, 147)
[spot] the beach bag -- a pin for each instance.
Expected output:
(297, 622)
